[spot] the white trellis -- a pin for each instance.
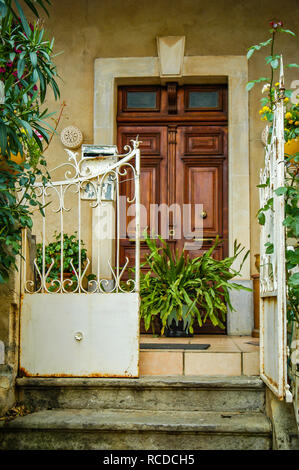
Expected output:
(273, 329)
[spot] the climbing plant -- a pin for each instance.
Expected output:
(290, 191)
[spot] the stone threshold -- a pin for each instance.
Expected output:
(226, 356)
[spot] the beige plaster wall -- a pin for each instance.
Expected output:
(88, 29)
(9, 334)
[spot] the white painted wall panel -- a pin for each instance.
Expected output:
(109, 324)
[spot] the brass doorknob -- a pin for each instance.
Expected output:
(203, 215)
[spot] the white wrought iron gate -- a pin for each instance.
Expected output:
(273, 330)
(82, 323)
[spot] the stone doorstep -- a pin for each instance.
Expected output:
(197, 393)
(199, 421)
(227, 356)
(74, 429)
(180, 362)
(146, 382)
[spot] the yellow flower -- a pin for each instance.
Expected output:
(288, 115)
(261, 111)
(265, 109)
(286, 130)
(291, 122)
(286, 100)
(296, 123)
(264, 118)
(277, 84)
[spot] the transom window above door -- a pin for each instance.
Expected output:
(202, 99)
(140, 98)
(193, 101)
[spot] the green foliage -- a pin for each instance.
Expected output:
(180, 288)
(27, 71)
(7, 6)
(15, 211)
(272, 61)
(290, 191)
(53, 253)
(291, 194)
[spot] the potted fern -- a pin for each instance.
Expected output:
(179, 290)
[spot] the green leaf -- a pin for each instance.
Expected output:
(33, 58)
(261, 218)
(274, 63)
(292, 65)
(294, 280)
(3, 12)
(250, 85)
(287, 31)
(250, 52)
(3, 137)
(41, 3)
(23, 19)
(281, 191)
(270, 248)
(27, 127)
(35, 76)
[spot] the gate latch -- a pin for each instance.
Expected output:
(78, 336)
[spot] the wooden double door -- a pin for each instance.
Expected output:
(184, 165)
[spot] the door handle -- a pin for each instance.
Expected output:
(208, 240)
(204, 215)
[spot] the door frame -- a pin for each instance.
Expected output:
(111, 72)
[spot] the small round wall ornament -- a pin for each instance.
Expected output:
(71, 137)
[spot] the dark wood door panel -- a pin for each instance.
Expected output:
(203, 186)
(153, 169)
(149, 195)
(203, 142)
(202, 179)
(128, 251)
(150, 139)
(196, 248)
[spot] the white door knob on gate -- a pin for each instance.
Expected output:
(78, 336)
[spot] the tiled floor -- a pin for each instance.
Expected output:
(227, 355)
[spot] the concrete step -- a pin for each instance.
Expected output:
(88, 429)
(146, 393)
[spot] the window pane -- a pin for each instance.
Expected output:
(141, 99)
(203, 99)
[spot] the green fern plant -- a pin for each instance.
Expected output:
(179, 288)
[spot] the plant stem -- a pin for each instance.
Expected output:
(56, 125)
(272, 71)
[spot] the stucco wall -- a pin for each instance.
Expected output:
(88, 29)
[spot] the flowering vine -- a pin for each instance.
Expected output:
(27, 71)
(290, 191)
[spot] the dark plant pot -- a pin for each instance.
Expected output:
(176, 330)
